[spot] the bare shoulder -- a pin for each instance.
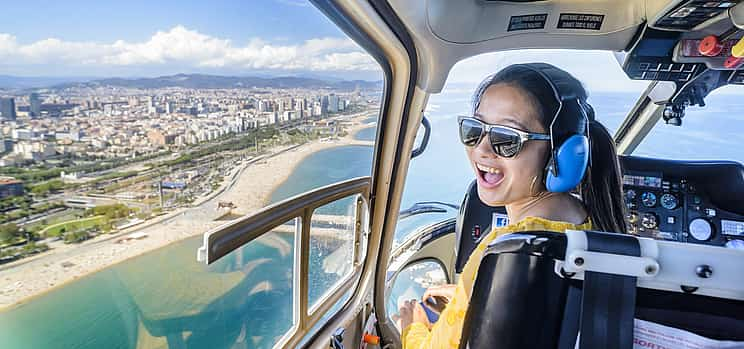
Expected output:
(564, 208)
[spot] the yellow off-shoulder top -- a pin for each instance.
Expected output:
(447, 331)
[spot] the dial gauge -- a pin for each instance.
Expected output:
(632, 217)
(669, 201)
(648, 199)
(700, 229)
(630, 194)
(649, 221)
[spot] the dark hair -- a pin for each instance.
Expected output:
(601, 188)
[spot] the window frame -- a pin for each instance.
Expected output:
(220, 241)
(358, 255)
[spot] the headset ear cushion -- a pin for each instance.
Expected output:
(571, 160)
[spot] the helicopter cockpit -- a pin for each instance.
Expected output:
(687, 50)
(189, 210)
(676, 270)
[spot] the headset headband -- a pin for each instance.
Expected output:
(579, 114)
(573, 114)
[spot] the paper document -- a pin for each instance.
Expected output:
(649, 335)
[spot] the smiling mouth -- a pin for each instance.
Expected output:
(490, 176)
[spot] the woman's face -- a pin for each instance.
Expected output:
(501, 180)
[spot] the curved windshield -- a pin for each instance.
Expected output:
(707, 133)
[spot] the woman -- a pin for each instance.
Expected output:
(512, 172)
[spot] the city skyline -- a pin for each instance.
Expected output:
(14, 85)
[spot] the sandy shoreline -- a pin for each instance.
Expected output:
(250, 191)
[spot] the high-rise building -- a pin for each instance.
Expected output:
(333, 103)
(35, 105)
(316, 109)
(7, 108)
(324, 105)
(170, 107)
(299, 103)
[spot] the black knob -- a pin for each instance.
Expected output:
(704, 271)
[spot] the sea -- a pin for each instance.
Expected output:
(165, 298)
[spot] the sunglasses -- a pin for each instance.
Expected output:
(505, 141)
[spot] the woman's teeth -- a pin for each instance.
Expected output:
(491, 176)
(488, 169)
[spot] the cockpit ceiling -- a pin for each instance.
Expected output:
(447, 31)
(472, 22)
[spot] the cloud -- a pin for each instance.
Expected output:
(190, 48)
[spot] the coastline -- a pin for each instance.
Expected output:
(250, 189)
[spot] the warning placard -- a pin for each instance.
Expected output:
(580, 21)
(527, 22)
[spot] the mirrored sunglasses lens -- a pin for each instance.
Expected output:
(509, 150)
(505, 142)
(470, 132)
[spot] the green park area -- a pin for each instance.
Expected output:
(72, 226)
(94, 220)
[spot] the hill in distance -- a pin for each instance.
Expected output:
(202, 81)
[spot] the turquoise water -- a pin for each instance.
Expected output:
(168, 293)
(326, 167)
(160, 294)
(366, 134)
(167, 297)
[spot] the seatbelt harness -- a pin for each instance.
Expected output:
(608, 300)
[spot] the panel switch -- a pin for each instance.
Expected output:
(738, 49)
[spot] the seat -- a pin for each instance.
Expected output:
(545, 289)
(474, 221)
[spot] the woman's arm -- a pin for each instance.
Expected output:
(446, 332)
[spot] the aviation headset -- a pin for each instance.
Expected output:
(569, 131)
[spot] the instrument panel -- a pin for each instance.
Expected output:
(693, 37)
(684, 201)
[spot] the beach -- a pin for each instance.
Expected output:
(248, 187)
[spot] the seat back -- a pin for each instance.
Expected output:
(528, 294)
(474, 221)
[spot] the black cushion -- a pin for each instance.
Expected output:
(473, 223)
(519, 301)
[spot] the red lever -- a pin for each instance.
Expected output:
(710, 46)
(733, 62)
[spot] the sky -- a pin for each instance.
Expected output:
(602, 74)
(136, 38)
(153, 38)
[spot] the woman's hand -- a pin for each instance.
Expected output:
(405, 314)
(411, 311)
(446, 291)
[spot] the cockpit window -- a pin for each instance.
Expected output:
(443, 173)
(712, 132)
(127, 130)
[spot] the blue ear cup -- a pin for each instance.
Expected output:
(571, 160)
